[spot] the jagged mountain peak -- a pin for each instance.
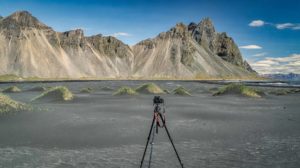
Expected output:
(204, 26)
(217, 43)
(204, 32)
(19, 14)
(206, 22)
(76, 32)
(21, 20)
(178, 31)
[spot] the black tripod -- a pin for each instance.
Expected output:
(158, 106)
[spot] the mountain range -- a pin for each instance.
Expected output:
(287, 77)
(30, 48)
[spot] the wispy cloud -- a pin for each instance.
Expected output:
(284, 26)
(279, 26)
(271, 65)
(260, 54)
(257, 23)
(251, 47)
(118, 34)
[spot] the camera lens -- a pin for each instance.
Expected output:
(158, 100)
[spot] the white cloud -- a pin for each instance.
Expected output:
(279, 26)
(118, 34)
(251, 47)
(257, 23)
(260, 54)
(284, 26)
(271, 65)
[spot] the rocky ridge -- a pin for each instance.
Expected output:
(29, 48)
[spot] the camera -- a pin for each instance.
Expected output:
(158, 100)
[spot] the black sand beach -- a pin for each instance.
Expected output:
(101, 130)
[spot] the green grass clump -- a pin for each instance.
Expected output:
(181, 91)
(86, 90)
(11, 89)
(237, 88)
(8, 105)
(149, 88)
(125, 91)
(58, 93)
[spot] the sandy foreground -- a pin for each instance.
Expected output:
(101, 130)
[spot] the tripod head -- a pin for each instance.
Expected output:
(158, 100)
(158, 104)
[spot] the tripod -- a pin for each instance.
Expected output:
(155, 125)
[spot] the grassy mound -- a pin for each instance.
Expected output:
(8, 105)
(59, 93)
(236, 88)
(149, 88)
(86, 90)
(11, 89)
(38, 89)
(125, 91)
(106, 88)
(181, 91)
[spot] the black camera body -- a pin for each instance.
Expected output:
(158, 100)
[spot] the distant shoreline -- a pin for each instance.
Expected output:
(260, 83)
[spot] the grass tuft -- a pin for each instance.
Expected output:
(181, 91)
(11, 89)
(237, 88)
(58, 93)
(149, 88)
(125, 91)
(8, 105)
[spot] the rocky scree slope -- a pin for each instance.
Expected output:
(29, 48)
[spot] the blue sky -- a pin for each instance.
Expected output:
(273, 34)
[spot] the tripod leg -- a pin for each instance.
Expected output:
(170, 138)
(147, 142)
(152, 143)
